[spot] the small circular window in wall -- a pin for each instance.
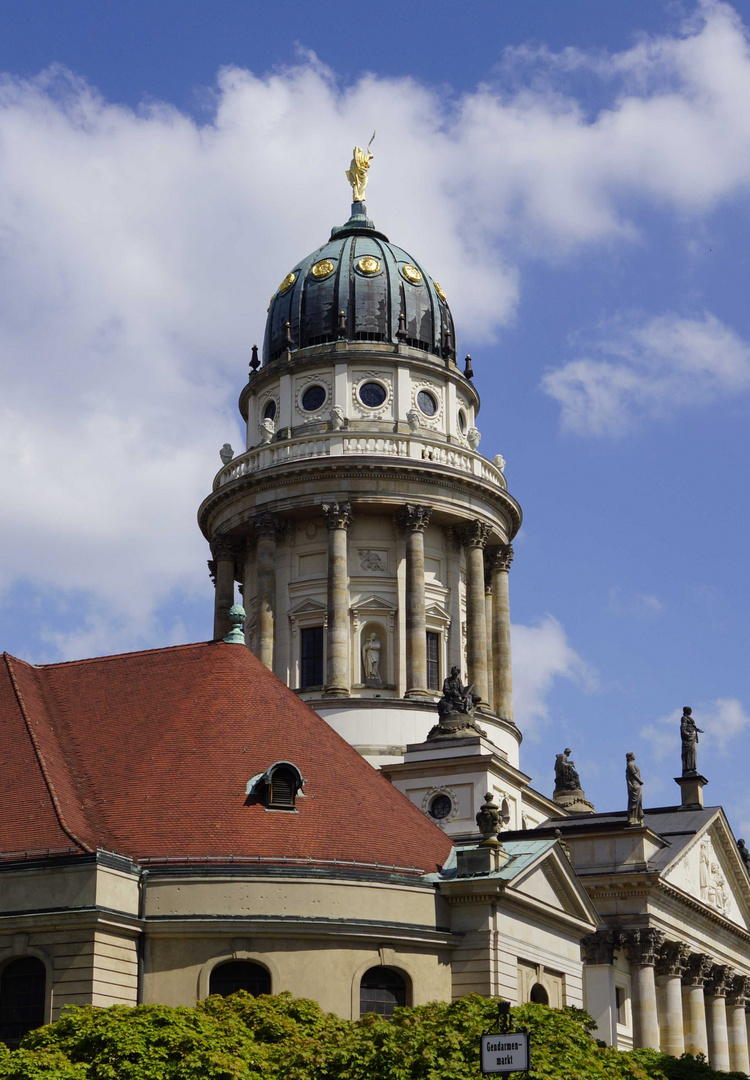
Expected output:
(372, 394)
(462, 421)
(269, 413)
(427, 402)
(313, 398)
(440, 807)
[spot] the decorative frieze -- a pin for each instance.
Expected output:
(697, 970)
(337, 515)
(643, 944)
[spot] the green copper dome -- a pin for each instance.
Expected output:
(359, 287)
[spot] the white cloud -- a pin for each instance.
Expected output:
(138, 249)
(721, 721)
(649, 368)
(542, 654)
(642, 605)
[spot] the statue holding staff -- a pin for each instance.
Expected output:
(357, 171)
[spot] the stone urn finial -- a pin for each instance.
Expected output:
(236, 617)
(267, 430)
(489, 820)
(226, 453)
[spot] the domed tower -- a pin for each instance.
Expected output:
(370, 537)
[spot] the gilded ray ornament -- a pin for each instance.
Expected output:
(323, 268)
(368, 264)
(287, 283)
(411, 274)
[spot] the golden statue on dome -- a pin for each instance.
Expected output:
(356, 174)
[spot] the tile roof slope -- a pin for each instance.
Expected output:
(36, 791)
(164, 743)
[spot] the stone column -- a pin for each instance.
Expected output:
(475, 538)
(670, 966)
(642, 946)
(488, 631)
(737, 999)
(598, 952)
(716, 1016)
(694, 1003)
(338, 518)
(267, 529)
(224, 552)
(500, 560)
(413, 520)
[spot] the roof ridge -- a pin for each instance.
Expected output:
(110, 656)
(40, 758)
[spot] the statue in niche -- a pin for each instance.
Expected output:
(371, 660)
(689, 735)
(635, 790)
(566, 774)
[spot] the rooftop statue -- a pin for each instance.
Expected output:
(456, 710)
(357, 171)
(635, 791)
(689, 734)
(566, 774)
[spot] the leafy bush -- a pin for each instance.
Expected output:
(286, 1038)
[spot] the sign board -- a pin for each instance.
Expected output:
(505, 1053)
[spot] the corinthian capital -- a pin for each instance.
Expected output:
(739, 992)
(697, 970)
(475, 534)
(268, 526)
(719, 980)
(500, 558)
(599, 948)
(413, 518)
(337, 515)
(673, 958)
(643, 944)
(224, 547)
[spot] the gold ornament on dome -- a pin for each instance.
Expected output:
(440, 292)
(368, 265)
(323, 268)
(411, 274)
(287, 283)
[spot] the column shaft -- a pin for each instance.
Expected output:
(413, 520)
(501, 655)
(476, 622)
(488, 630)
(645, 1017)
(338, 518)
(223, 596)
(265, 561)
(718, 1041)
(694, 1011)
(739, 1060)
(671, 1035)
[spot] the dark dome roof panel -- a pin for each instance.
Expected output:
(360, 273)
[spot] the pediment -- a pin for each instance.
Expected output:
(374, 603)
(710, 870)
(438, 613)
(552, 882)
(305, 607)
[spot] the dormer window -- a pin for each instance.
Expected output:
(278, 787)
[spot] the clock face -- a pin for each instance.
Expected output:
(368, 265)
(287, 283)
(412, 274)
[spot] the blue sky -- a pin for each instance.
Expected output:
(576, 175)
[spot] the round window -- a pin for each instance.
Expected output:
(441, 806)
(427, 403)
(462, 421)
(372, 394)
(313, 398)
(269, 413)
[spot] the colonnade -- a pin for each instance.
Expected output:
(682, 1001)
(487, 605)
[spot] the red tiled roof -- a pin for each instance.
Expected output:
(148, 754)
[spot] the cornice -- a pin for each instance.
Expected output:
(286, 474)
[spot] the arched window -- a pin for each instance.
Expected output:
(237, 975)
(22, 995)
(539, 995)
(381, 990)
